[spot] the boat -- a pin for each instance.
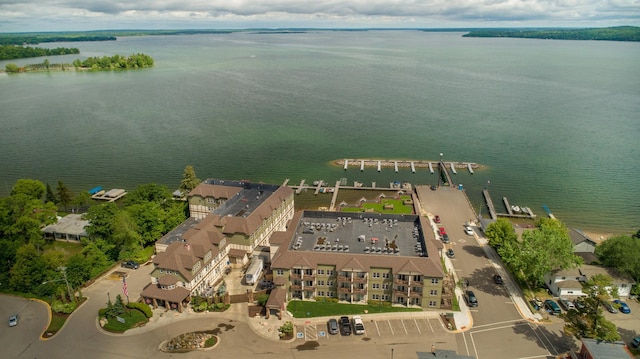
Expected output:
(515, 209)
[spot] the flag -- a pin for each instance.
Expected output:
(124, 288)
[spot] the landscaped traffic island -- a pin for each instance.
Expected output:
(190, 341)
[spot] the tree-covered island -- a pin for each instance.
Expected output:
(8, 52)
(105, 63)
(619, 33)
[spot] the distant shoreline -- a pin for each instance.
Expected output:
(620, 33)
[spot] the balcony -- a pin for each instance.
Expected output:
(416, 283)
(400, 281)
(359, 279)
(415, 295)
(344, 279)
(344, 290)
(295, 287)
(294, 276)
(360, 290)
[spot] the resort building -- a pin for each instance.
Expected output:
(192, 258)
(358, 258)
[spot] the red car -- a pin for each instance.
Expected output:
(442, 231)
(437, 219)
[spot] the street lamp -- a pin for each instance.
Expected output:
(64, 274)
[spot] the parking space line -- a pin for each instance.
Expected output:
(403, 326)
(431, 326)
(377, 329)
(542, 341)
(417, 326)
(466, 345)
(390, 327)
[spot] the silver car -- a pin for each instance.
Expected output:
(13, 320)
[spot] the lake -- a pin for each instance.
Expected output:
(553, 122)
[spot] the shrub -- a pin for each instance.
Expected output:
(262, 299)
(66, 308)
(286, 329)
(221, 306)
(143, 307)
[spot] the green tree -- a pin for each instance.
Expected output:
(83, 198)
(540, 251)
(621, 252)
(500, 231)
(150, 192)
(101, 220)
(118, 305)
(590, 322)
(50, 196)
(64, 194)
(97, 255)
(46, 63)
(28, 271)
(189, 180)
(11, 68)
(31, 188)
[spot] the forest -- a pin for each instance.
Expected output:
(8, 52)
(619, 33)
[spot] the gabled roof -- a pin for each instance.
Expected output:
(215, 191)
(410, 267)
(351, 264)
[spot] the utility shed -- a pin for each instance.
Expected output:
(595, 349)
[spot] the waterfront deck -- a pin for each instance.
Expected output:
(525, 213)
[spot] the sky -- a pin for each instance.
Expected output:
(82, 15)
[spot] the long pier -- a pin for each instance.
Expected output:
(492, 208)
(379, 164)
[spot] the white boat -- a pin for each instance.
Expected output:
(515, 209)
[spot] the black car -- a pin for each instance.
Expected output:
(130, 265)
(472, 301)
(445, 238)
(450, 253)
(345, 326)
(498, 279)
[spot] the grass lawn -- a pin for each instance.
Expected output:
(308, 309)
(67, 248)
(398, 206)
(133, 318)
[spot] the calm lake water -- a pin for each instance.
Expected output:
(554, 122)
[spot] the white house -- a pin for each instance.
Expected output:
(568, 282)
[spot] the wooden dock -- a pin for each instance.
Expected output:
(361, 165)
(492, 208)
(469, 168)
(332, 206)
(395, 165)
(346, 164)
(300, 187)
(453, 168)
(412, 165)
(430, 168)
(506, 204)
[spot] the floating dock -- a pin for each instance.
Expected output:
(527, 213)
(492, 208)
(109, 196)
(453, 168)
(395, 165)
(469, 168)
(300, 187)
(379, 165)
(361, 165)
(346, 164)
(430, 168)
(413, 167)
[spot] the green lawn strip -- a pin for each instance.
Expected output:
(57, 321)
(307, 309)
(133, 318)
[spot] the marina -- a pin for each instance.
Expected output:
(513, 211)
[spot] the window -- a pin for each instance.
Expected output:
(375, 296)
(320, 283)
(330, 294)
(329, 283)
(432, 304)
(308, 271)
(279, 272)
(320, 271)
(434, 280)
(330, 272)
(417, 278)
(385, 297)
(433, 292)
(320, 293)
(376, 275)
(297, 271)
(375, 286)
(385, 275)
(385, 286)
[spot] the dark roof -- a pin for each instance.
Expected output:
(577, 237)
(276, 298)
(176, 295)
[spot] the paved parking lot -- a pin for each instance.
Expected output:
(386, 328)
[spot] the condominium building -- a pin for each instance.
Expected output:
(229, 220)
(359, 258)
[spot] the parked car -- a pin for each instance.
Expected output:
(471, 299)
(624, 308)
(498, 279)
(566, 304)
(552, 307)
(450, 253)
(635, 343)
(13, 320)
(535, 304)
(468, 231)
(130, 265)
(345, 326)
(442, 231)
(609, 307)
(358, 325)
(445, 238)
(579, 303)
(332, 326)
(436, 219)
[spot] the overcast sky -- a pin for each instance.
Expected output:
(54, 15)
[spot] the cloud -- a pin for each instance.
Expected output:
(313, 13)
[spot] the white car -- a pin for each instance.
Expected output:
(358, 325)
(468, 231)
(13, 320)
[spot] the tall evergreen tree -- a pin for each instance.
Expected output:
(50, 196)
(189, 180)
(64, 194)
